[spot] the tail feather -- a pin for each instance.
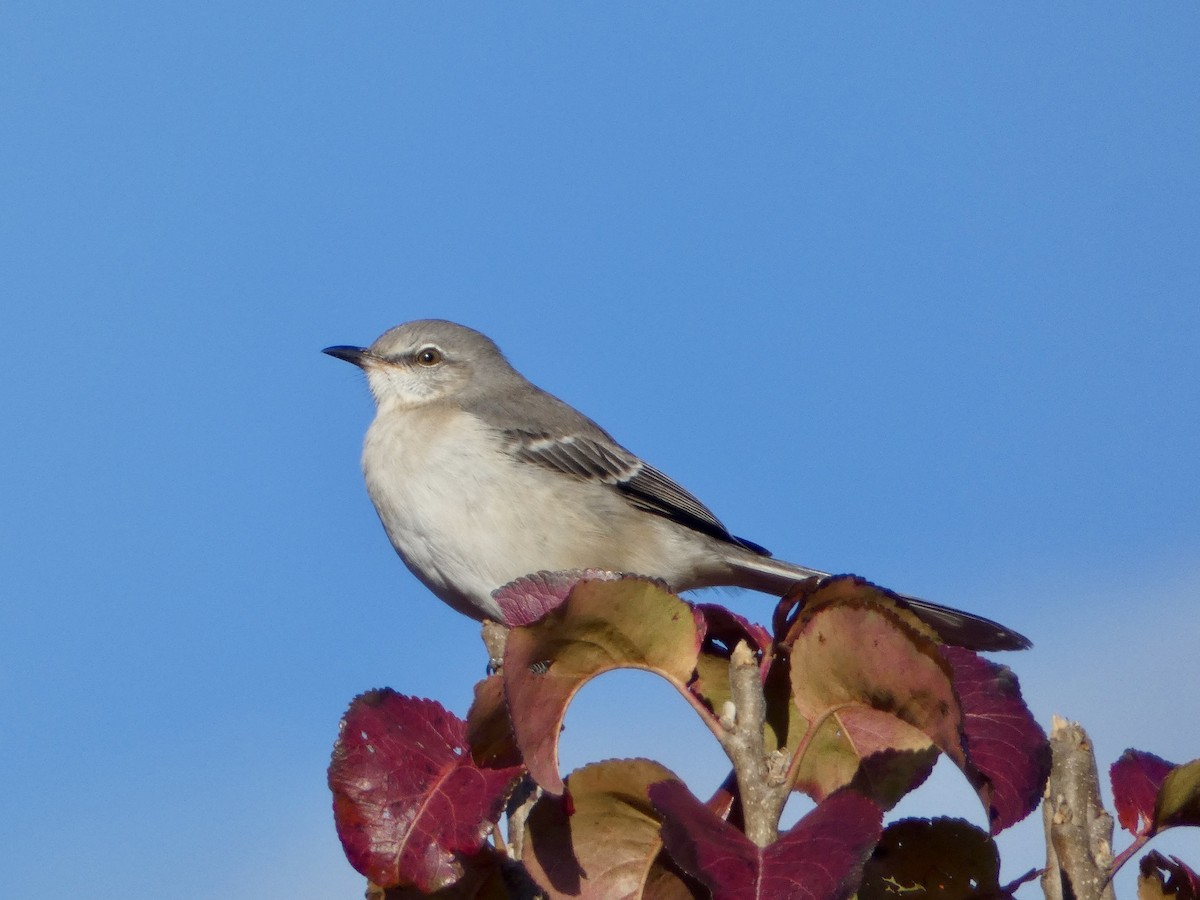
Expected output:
(962, 629)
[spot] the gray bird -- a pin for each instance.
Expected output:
(480, 477)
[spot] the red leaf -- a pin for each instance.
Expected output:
(821, 856)
(529, 598)
(1136, 779)
(407, 797)
(1003, 742)
(723, 629)
(718, 631)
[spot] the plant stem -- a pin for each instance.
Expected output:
(762, 800)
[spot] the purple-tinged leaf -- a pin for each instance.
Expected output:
(1136, 779)
(719, 631)
(789, 605)
(870, 679)
(629, 623)
(810, 596)
(408, 800)
(819, 858)
(866, 749)
(1004, 743)
(858, 650)
(1161, 878)
(527, 599)
(723, 629)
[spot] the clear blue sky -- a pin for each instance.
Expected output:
(909, 291)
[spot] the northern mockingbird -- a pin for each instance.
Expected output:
(480, 477)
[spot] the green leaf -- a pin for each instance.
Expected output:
(1178, 800)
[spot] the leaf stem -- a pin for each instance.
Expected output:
(1125, 855)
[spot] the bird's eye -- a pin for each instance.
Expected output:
(429, 356)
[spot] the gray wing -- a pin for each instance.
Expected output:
(543, 430)
(591, 457)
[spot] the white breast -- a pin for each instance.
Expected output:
(467, 517)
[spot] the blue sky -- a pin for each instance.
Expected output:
(912, 292)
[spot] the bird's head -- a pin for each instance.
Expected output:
(424, 361)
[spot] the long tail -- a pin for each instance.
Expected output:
(774, 576)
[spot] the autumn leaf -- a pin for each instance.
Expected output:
(600, 626)
(819, 858)
(601, 838)
(408, 799)
(1007, 755)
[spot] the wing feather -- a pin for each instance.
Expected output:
(646, 487)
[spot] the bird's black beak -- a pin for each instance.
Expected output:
(355, 355)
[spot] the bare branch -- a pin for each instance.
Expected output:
(1078, 829)
(762, 795)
